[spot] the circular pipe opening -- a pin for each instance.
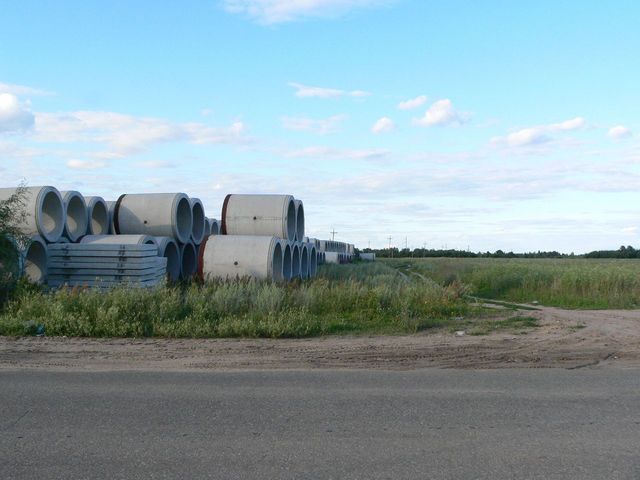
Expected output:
(76, 223)
(291, 220)
(304, 262)
(215, 227)
(198, 223)
(99, 218)
(295, 262)
(286, 262)
(172, 254)
(183, 220)
(188, 261)
(299, 220)
(313, 262)
(51, 216)
(35, 261)
(276, 264)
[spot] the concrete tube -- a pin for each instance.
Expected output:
(120, 239)
(188, 261)
(237, 256)
(295, 260)
(331, 257)
(44, 212)
(198, 225)
(207, 226)
(76, 221)
(304, 261)
(35, 260)
(158, 214)
(286, 260)
(168, 248)
(299, 220)
(265, 215)
(215, 227)
(98, 213)
(111, 205)
(313, 261)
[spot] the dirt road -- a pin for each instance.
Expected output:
(565, 339)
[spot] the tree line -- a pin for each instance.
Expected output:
(622, 252)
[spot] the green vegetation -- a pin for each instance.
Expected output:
(517, 324)
(360, 298)
(567, 283)
(11, 215)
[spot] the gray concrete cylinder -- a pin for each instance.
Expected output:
(266, 215)
(98, 213)
(295, 260)
(76, 221)
(299, 220)
(111, 205)
(215, 227)
(35, 260)
(188, 261)
(198, 224)
(313, 260)
(44, 212)
(207, 226)
(168, 248)
(237, 256)
(158, 214)
(304, 261)
(286, 260)
(120, 239)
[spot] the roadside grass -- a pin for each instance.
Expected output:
(354, 299)
(567, 283)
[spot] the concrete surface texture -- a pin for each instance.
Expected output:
(44, 212)
(271, 215)
(444, 424)
(98, 213)
(77, 218)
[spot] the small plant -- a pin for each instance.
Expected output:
(12, 214)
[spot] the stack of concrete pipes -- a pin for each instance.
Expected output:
(174, 223)
(337, 252)
(262, 237)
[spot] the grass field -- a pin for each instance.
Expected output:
(568, 283)
(361, 298)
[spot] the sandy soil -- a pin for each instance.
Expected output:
(606, 337)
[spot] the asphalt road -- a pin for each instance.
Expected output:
(448, 424)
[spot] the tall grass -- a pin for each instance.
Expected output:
(570, 283)
(354, 299)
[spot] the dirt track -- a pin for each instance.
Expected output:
(611, 336)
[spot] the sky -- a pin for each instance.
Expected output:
(482, 125)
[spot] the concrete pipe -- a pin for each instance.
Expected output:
(157, 214)
(215, 227)
(331, 257)
(295, 260)
(286, 260)
(304, 261)
(44, 212)
(207, 226)
(168, 248)
(267, 215)
(120, 239)
(35, 260)
(111, 205)
(76, 222)
(98, 213)
(188, 260)
(238, 256)
(313, 260)
(198, 225)
(299, 220)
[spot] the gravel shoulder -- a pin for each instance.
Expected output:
(565, 339)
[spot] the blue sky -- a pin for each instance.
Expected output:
(485, 125)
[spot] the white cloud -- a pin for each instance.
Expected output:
(85, 164)
(127, 134)
(442, 113)
(384, 124)
(280, 11)
(337, 154)
(619, 132)
(155, 164)
(538, 135)
(413, 103)
(14, 115)
(321, 127)
(21, 90)
(306, 91)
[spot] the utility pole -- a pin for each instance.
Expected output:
(390, 251)
(333, 234)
